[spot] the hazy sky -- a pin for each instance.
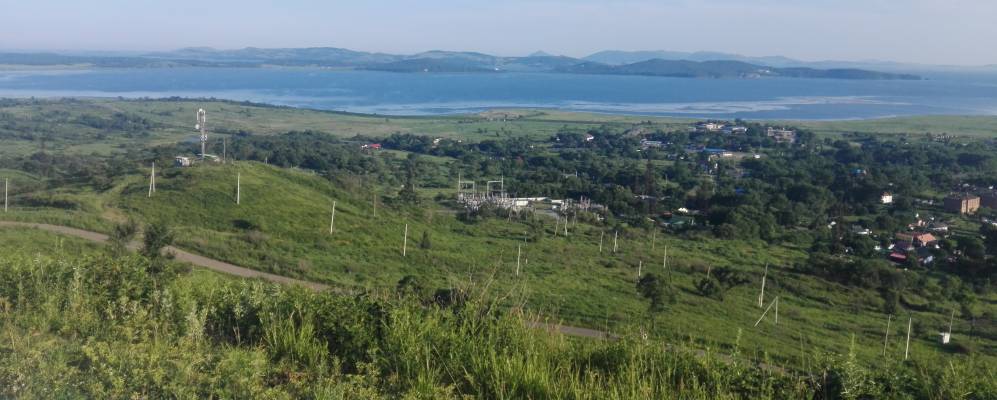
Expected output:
(925, 31)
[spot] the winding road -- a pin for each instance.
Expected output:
(235, 270)
(243, 272)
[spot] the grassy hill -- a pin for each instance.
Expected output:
(89, 325)
(282, 224)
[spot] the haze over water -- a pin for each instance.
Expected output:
(441, 93)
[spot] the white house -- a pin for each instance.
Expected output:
(886, 198)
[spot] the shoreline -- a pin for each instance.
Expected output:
(463, 112)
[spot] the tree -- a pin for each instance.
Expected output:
(157, 237)
(122, 235)
(972, 247)
(424, 243)
(410, 286)
(407, 194)
(656, 290)
(729, 278)
(890, 299)
(709, 287)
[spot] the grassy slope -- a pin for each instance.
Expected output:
(40, 244)
(566, 277)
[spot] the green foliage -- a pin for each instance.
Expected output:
(100, 328)
(710, 287)
(424, 242)
(156, 238)
(122, 234)
(657, 291)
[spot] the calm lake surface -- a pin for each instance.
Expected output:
(435, 94)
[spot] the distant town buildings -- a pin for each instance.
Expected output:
(181, 161)
(720, 153)
(717, 126)
(989, 200)
(962, 204)
(647, 144)
(709, 126)
(781, 135)
(735, 130)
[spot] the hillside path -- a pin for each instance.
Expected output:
(179, 254)
(232, 269)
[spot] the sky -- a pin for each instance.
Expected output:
(955, 32)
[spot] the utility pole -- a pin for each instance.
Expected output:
(777, 310)
(519, 255)
(664, 260)
(224, 149)
(332, 220)
(152, 180)
(946, 337)
(616, 235)
(886, 337)
(374, 202)
(910, 322)
(238, 187)
(405, 241)
(761, 295)
(5, 183)
(601, 234)
(774, 302)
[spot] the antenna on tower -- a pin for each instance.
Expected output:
(201, 125)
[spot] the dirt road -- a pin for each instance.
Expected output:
(179, 254)
(231, 269)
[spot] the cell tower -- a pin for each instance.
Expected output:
(201, 120)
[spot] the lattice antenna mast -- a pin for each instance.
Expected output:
(201, 124)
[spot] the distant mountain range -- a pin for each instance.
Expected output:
(647, 63)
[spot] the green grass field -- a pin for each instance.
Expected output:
(968, 126)
(281, 226)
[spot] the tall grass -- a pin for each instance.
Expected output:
(102, 327)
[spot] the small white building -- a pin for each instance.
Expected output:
(886, 198)
(781, 135)
(181, 161)
(709, 126)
